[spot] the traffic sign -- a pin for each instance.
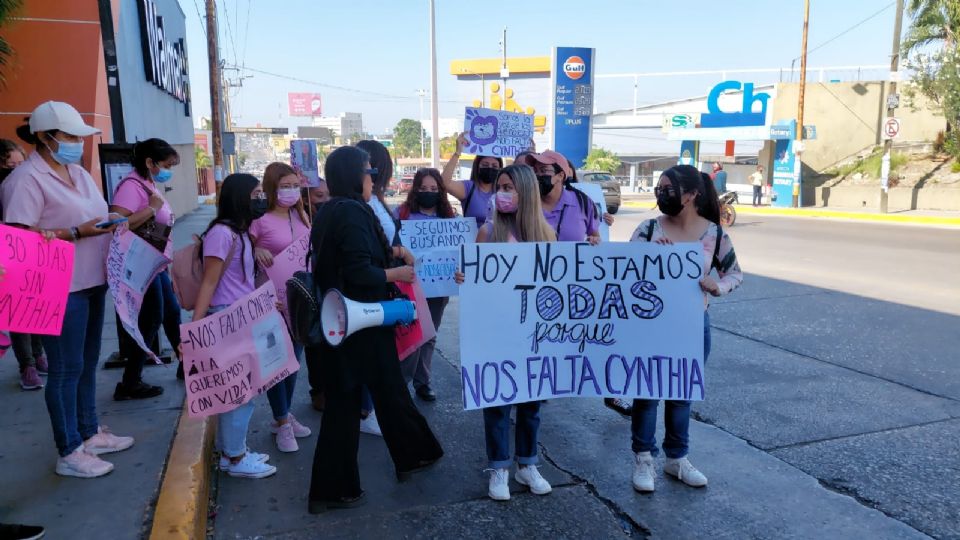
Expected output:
(891, 128)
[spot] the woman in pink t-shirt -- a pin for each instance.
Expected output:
(241, 202)
(139, 200)
(284, 222)
(51, 194)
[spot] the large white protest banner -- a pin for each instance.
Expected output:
(436, 245)
(547, 320)
(497, 133)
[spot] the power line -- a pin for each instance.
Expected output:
(847, 31)
(233, 42)
(203, 23)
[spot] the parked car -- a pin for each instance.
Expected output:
(609, 184)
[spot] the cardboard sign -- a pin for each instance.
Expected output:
(497, 133)
(236, 354)
(595, 193)
(33, 293)
(410, 337)
(132, 265)
(436, 245)
(546, 320)
(290, 260)
(303, 159)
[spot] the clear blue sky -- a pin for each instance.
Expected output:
(383, 46)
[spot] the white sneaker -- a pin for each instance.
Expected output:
(82, 465)
(528, 475)
(286, 441)
(105, 442)
(499, 487)
(370, 426)
(684, 471)
(299, 430)
(250, 467)
(225, 461)
(643, 472)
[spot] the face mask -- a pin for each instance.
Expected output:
(67, 152)
(506, 203)
(427, 199)
(163, 176)
(258, 207)
(546, 184)
(288, 197)
(670, 206)
(487, 175)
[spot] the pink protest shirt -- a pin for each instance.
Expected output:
(35, 196)
(132, 196)
(237, 280)
(275, 233)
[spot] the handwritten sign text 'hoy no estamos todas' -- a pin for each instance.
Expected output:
(546, 320)
(33, 293)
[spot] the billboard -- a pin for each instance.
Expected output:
(303, 104)
(572, 101)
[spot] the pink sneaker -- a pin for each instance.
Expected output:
(30, 379)
(286, 440)
(82, 465)
(105, 442)
(299, 430)
(42, 365)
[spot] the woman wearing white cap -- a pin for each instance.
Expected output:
(51, 194)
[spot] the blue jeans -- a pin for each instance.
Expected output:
(72, 357)
(676, 417)
(496, 428)
(232, 426)
(281, 394)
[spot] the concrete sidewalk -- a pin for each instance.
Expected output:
(119, 505)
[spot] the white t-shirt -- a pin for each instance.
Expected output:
(757, 178)
(386, 219)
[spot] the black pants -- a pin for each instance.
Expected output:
(149, 320)
(409, 439)
(757, 195)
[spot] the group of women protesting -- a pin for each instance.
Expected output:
(361, 385)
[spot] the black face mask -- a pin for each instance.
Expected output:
(258, 207)
(487, 175)
(546, 184)
(427, 199)
(669, 205)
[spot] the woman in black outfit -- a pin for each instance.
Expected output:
(353, 255)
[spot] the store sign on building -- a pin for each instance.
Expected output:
(164, 57)
(716, 117)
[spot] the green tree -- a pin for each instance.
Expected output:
(201, 157)
(932, 52)
(406, 139)
(448, 145)
(601, 159)
(7, 9)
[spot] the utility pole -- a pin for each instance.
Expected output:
(423, 130)
(798, 143)
(434, 108)
(893, 100)
(213, 59)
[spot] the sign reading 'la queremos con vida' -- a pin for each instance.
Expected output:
(164, 57)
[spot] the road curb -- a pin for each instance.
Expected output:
(829, 214)
(181, 511)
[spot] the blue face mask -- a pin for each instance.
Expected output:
(67, 152)
(163, 176)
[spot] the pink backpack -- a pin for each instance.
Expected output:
(187, 271)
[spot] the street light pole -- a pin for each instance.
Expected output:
(434, 108)
(422, 93)
(892, 102)
(798, 144)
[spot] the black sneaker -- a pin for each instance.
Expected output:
(9, 531)
(426, 393)
(141, 391)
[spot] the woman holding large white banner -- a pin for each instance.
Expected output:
(691, 213)
(518, 217)
(285, 222)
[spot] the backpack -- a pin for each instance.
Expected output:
(715, 263)
(187, 272)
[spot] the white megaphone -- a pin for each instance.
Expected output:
(340, 316)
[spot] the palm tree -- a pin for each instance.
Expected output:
(934, 21)
(7, 9)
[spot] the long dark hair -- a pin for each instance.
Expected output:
(688, 179)
(444, 208)
(233, 208)
(344, 171)
(156, 149)
(380, 159)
